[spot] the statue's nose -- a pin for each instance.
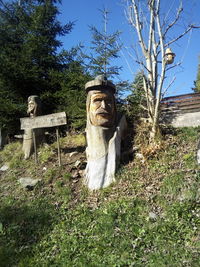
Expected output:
(103, 104)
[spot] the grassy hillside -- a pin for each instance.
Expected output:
(149, 217)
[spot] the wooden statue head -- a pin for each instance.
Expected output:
(101, 106)
(34, 106)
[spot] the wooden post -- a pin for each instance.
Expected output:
(51, 120)
(35, 147)
(58, 143)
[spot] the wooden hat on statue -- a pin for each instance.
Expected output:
(100, 83)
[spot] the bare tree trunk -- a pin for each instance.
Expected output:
(152, 33)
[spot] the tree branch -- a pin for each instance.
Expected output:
(190, 27)
(143, 107)
(151, 25)
(172, 81)
(175, 20)
(138, 27)
(143, 65)
(175, 65)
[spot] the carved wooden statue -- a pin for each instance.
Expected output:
(104, 131)
(34, 109)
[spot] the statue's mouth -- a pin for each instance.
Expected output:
(103, 113)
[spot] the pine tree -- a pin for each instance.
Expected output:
(30, 48)
(106, 48)
(136, 102)
(29, 59)
(71, 98)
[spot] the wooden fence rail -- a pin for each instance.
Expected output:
(181, 104)
(181, 110)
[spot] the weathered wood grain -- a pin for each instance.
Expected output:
(51, 120)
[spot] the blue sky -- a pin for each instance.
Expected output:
(187, 50)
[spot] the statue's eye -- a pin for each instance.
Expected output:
(97, 100)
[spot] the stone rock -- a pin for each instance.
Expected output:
(4, 168)
(77, 163)
(152, 215)
(81, 172)
(28, 182)
(198, 156)
(73, 154)
(75, 174)
(198, 196)
(19, 136)
(140, 156)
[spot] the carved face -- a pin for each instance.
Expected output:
(102, 109)
(34, 106)
(31, 107)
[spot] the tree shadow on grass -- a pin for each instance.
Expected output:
(22, 227)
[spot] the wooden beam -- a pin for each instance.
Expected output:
(51, 120)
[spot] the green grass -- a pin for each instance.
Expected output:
(45, 153)
(149, 217)
(74, 140)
